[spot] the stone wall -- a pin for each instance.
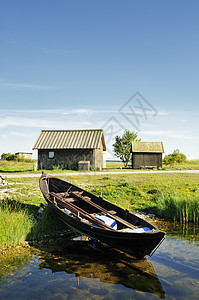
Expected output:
(69, 158)
(98, 159)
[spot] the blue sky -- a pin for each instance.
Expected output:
(113, 64)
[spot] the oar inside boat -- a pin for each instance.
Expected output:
(78, 212)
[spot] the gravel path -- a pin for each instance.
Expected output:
(18, 175)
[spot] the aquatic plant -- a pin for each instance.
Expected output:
(183, 207)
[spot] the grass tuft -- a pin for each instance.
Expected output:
(179, 207)
(15, 225)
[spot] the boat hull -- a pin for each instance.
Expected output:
(137, 244)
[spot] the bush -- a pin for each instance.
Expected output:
(8, 156)
(175, 158)
(14, 157)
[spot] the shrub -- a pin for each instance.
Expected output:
(14, 157)
(175, 158)
(8, 156)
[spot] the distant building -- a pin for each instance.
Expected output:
(147, 155)
(24, 155)
(70, 149)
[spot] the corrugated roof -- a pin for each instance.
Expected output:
(153, 147)
(70, 139)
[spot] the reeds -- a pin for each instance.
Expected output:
(179, 207)
(15, 224)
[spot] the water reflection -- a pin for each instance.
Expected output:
(66, 269)
(71, 268)
(109, 265)
(189, 232)
(13, 259)
(177, 261)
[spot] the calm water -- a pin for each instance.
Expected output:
(79, 270)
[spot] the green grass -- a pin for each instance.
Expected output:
(179, 207)
(19, 225)
(20, 203)
(28, 167)
(143, 192)
(162, 194)
(187, 165)
(16, 166)
(122, 194)
(15, 224)
(7, 167)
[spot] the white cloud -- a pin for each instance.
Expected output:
(19, 121)
(168, 133)
(152, 132)
(20, 134)
(77, 111)
(49, 119)
(23, 126)
(4, 136)
(25, 85)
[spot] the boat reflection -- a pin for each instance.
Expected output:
(85, 259)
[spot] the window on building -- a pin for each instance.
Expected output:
(51, 154)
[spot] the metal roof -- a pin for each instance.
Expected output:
(152, 147)
(70, 139)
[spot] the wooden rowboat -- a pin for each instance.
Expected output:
(99, 219)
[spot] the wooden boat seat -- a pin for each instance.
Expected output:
(125, 229)
(77, 192)
(113, 212)
(69, 200)
(101, 213)
(94, 214)
(65, 197)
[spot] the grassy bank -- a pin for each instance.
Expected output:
(15, 222)
(171, 195)
(16, 166)
(187, 165)
(182, 207)
(28, 167)
(19, 204)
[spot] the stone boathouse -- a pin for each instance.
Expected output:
(70, 149)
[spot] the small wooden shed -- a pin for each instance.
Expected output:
(147, 155)
(70, 149)
(27, 155)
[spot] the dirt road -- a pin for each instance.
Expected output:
(18, 175)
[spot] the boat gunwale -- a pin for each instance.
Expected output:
(151, 239)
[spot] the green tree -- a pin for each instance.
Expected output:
(175, 158)
(8, 156)
(122, 145)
